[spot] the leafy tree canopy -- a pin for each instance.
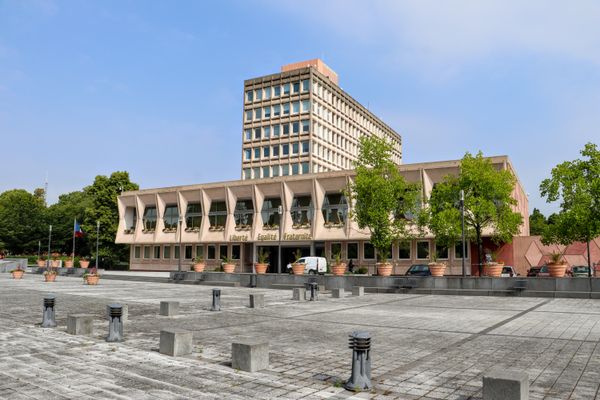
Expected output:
(488, 204)
(61, 215)
(22, 221)
(576, 184)
(383, 202)
(537, 223)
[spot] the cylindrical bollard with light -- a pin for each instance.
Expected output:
(314, 291)
(216, 300)
(115, 323)
(49, 318)
(360, 343)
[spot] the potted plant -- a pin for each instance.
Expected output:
(199, 264)
(338, 267)
(55, 263)
(493, 267)
(298, 267)
(69, 262)
(384, 267)
(41, 262)
(262, 265)
(91, 277)
(17, 273)
(557, 265)
(228, 265)
(436, 268)
(50, 275)
(84, 262)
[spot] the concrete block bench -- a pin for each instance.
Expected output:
(501, 384)
(175, 342)
(257, 300)
(169, 308)
(358, 291)
(337, 293)
(250, 355)
(299, 294)
(80, 324)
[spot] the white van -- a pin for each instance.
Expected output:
(312, 265)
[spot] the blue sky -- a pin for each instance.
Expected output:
(155, 87)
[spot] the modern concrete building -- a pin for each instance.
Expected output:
(237, 219)
(300, 121)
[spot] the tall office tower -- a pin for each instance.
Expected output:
(300, 121)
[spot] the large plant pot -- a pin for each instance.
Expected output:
(437, 269)
(261, 268)
(384, 269)
(493, 269)
(557, 270)
(41, 263)
(49, 278)
(55, 263)
(92, 279)
(69, 264)
(18, 274)
(199, 267)
(228, 268)
(84, 263)
(298, 269)
(338, 269)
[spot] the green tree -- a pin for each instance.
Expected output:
(576, 184)
(62, 214)
(103, 208)
(22, 222)
(383, 202)
(537, 223)
(488, 205)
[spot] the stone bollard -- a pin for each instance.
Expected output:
(169, 308)
(314, 291)
(216, 302)
(250, 356)
(501, 384)
(337, 293)
(80, 324)
(175, 342)
(115, 323)
(299, 294)
(358, 291)
(360, 343)
(48, 318)
(257, 300)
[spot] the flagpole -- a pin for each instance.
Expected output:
(97, 235)
(49, 240)
(73, 255)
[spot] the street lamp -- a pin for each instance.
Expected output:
(179, 259)
(280, 212)
(462, 217)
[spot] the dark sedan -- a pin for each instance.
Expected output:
(419, 270)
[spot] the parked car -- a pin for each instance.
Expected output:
(312, 265)
(580, 271)
(540, 271)
(508, 272)
(419, 270)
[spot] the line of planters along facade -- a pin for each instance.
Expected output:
(51, 268)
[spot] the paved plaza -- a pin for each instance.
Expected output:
(423, 346)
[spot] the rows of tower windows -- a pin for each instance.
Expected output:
(276, 151)
(277, 110)
(270, 92)
(278, 130)
(273, 171)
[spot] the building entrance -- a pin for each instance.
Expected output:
(272, 259)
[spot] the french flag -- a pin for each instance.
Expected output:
(77, 229)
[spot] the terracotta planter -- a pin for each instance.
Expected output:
(557, 270)
(298, 269)
(18, 274)
(338, 269)
(69, 264)
(92, 279)
(49, 278)
(55, 263)
(199, 267)
(41, 263)
(84, 264)
(228, 268)
(437, 269)
(493, 269)
(384, 269)
(261, 268)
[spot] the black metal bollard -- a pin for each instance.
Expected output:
(360, 343)
(216, 302)
(115, 323)
(49, 318)
(314, 291)
(253, 280)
